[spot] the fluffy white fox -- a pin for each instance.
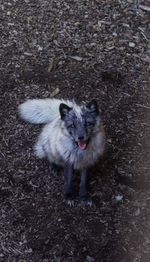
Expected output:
(73, 137)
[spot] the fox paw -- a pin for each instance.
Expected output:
(69, 200)
(86, 202)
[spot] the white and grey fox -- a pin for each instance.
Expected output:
(73, 137)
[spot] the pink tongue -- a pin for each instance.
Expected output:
(82, 145)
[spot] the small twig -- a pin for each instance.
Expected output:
(142, 33)
(145, 124)
(33, 185)
(15, 251)
(143, 106)
(2, 154)
(144, 36)
(146, 168)
(5, 142)
(4, 248)
(116, 103)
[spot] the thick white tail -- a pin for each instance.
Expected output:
(40, 111)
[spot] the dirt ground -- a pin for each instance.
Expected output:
(83, 49)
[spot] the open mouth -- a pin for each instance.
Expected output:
(82, 144)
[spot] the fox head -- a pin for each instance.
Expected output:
(80, 122)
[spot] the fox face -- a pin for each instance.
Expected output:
(80, 123)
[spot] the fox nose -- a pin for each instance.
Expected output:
(81, 137)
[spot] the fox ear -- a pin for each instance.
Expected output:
(64, 109)
(93, 107)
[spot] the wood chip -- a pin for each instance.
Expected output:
(55, 92)
(28, 54)
(90, 259)
(109, 140)
(143, 106)
(77, 58)
(103, 22)
(50, 67)
(145, 8)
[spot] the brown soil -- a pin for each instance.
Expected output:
(87, 49)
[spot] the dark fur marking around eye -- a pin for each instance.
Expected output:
(71, 125)
(90, 123)
(93, 107)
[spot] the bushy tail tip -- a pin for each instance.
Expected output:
(37, 111)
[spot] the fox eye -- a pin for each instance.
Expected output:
(71, 125)
(90, 124)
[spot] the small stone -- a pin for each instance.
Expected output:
(15, 32)
(109, 140)
(40, 48)
(92, 44)
(10, 24)
(90, 259)
(99, 23)
(137, 212)
(131, 44)
(118, 198)
(114, 34)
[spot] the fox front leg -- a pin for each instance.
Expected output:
(84, 199)
(68, 174)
